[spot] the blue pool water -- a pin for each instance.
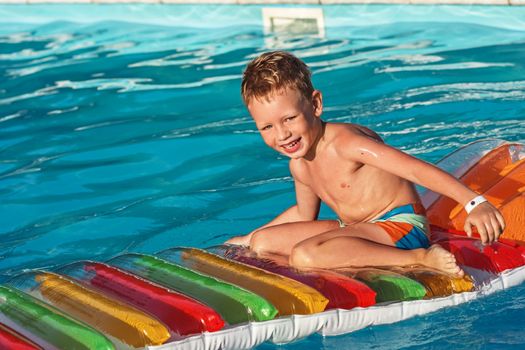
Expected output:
(122, 129)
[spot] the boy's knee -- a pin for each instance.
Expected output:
(302, 256)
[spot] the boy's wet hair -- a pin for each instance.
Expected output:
(272, 72)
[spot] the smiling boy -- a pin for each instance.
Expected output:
(367, 183)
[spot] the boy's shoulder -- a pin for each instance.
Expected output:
(344, 134)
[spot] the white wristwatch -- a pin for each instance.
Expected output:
(474, 203)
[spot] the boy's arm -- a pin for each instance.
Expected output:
(306, 209)
(487, 219)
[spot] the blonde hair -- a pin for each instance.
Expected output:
(272, 72)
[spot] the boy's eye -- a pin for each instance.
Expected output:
(266, 127)
(290, 118)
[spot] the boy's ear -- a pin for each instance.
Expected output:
(317, 103)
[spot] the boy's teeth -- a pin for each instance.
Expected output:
(290, 145)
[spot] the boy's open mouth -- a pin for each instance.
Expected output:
(292, 147)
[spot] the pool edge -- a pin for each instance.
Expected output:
(276, 2)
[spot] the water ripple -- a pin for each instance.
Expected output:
(438, 67)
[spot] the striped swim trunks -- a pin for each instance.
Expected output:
(407, 225)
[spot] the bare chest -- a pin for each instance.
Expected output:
(339, 182)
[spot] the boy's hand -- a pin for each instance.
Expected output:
(240, 240)
(488, 221)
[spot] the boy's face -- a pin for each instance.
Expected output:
(288, 122)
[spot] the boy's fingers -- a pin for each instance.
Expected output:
(491, 235)
(482, 232)
(501, 220)
(467, 228)
(496, 227)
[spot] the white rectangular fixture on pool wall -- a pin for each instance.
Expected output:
(293, 21)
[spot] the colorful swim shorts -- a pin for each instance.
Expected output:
(407, 225)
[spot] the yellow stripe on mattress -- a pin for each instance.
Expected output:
(437, 284)
(462, 284)
(129, 325)
(287, 295)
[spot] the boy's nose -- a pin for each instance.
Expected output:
(283, 134)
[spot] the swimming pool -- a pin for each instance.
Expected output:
(121, 128)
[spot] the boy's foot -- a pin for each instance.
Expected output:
(441, 259)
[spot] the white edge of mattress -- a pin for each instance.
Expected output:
(339, 321)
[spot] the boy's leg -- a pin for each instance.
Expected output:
(366, 244)
(280, 239)
(324, 244)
